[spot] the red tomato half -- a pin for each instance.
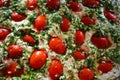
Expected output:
(74, 6)
(11, 69)
(87, 21)
(38, 59)
(65, 25)
(57, 45)
(105, 67)
(101, 42)
(53, 4)
(110, 16)
(14, 51)
(3, 33)
(55, 69)
(29, 39)
(91, 3)
(86, 74)
(1, 3)
(32, 4)
(79, 37)
(40, 23)
(79, 55)
(18, 17)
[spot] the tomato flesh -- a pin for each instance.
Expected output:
(29, 39)
(105, 67)
(79, 55)
(86, 74)
(18, 17)
(74, 6)
(79, 37)
(40, 23)
(57, 45)
(101, 42)
(14, 51)
(38, 59)
(53, 4)
(87, 21)
(32, 4)
(65, 25)
(110, 16)
(55, 69)
(3, 33)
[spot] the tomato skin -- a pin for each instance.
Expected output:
(101, 42)
(32, 4)
(3, 33)
(18, 17)
(87, 21)
(11, 69)
(65, 25)
(57, 45)
(91, 3)
(79, 55)
(53, 4)
(110, 16)
(29, 39)
(18, 73)
(79, 37)
(86, 74)
(1, 3)
(40, 23)
(74, 6)
(105, 67)
(55, 68)
(38, 59)
(14, 51)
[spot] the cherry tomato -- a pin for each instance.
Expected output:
(79, 37)
(53, 4)
(1, 3)
(18, 72)
(105, 67)
(65, 25)
(91, 3)
(57, 45)
(29, 39)
(101, 42)
(32, 4)
(14, 51)
(18, 17)
(87, 21)
(11, 69)
(3, 33)
(74, 6)
(110, 16)
(79, 55)
(86, 74)
(38, 59)
(40, 23)
(55, 69)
